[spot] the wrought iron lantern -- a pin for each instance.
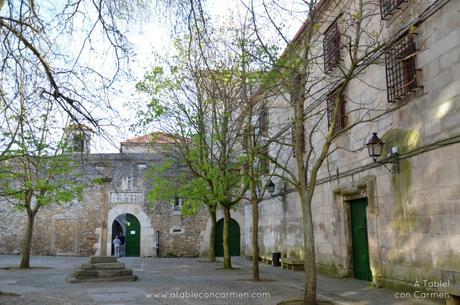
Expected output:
(375, 147)
(271, 187)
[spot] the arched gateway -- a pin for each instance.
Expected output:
(136, 227)
(129, 226)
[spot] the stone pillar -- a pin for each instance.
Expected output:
(105, 215)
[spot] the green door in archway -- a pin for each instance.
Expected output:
(133, 236)
(234, 238)
(360, 245)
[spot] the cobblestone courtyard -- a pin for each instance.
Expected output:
(174, 278)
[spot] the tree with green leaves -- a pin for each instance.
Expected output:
(203, 145)
(172, 180)
(35, 172)
(253, 78)
(197, 96)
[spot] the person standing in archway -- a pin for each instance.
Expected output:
(122, 244)
(116, 245)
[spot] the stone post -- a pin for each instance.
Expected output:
(105, 215)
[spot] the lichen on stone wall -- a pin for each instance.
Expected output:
(406, 141)
(404, 215)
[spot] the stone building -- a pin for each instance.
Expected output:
(370, 221)
(74, 229)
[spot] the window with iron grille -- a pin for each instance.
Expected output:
(264, 161)
(263, 120)
(294, 140)
(401, 71)
(342, 117)
(388, 7)
(331, 47)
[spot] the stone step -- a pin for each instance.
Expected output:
(102, 266)
(93, 273)
(116, 272)
(102, 259)
(80, 273)
(127, 278)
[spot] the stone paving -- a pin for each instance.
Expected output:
(167, 281)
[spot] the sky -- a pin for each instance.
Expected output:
(149, 38)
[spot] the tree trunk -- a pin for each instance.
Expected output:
(255, 240)
(309, 252)
(305, 195)
(27, 242)
(212, 238)
(227, 257)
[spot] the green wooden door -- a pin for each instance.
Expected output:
(234, 238)
(361, 266)
(133, 236)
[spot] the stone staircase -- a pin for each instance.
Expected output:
(102, 269)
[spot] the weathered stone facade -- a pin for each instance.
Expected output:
(74, 229)
(413, 216)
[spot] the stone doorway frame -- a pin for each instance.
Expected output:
(342, 196)
(147, 231)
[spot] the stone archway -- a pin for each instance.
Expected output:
(147, 231)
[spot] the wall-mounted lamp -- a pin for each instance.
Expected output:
(375, 149)
(271, 189)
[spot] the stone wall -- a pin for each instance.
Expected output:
(179, 234)
(411, 216)
(74, 228)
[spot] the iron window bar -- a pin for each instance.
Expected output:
(401, 72)
(388, 7)
(342, 118)
(331, 47)
(263, 120)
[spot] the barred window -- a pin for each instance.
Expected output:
(263, 120)
(342, 117)
(331, 47)
(294, 141)
(401, 72)
(264, 161)
(387, 7)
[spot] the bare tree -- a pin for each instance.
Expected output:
(312, 77)
(64, 46)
